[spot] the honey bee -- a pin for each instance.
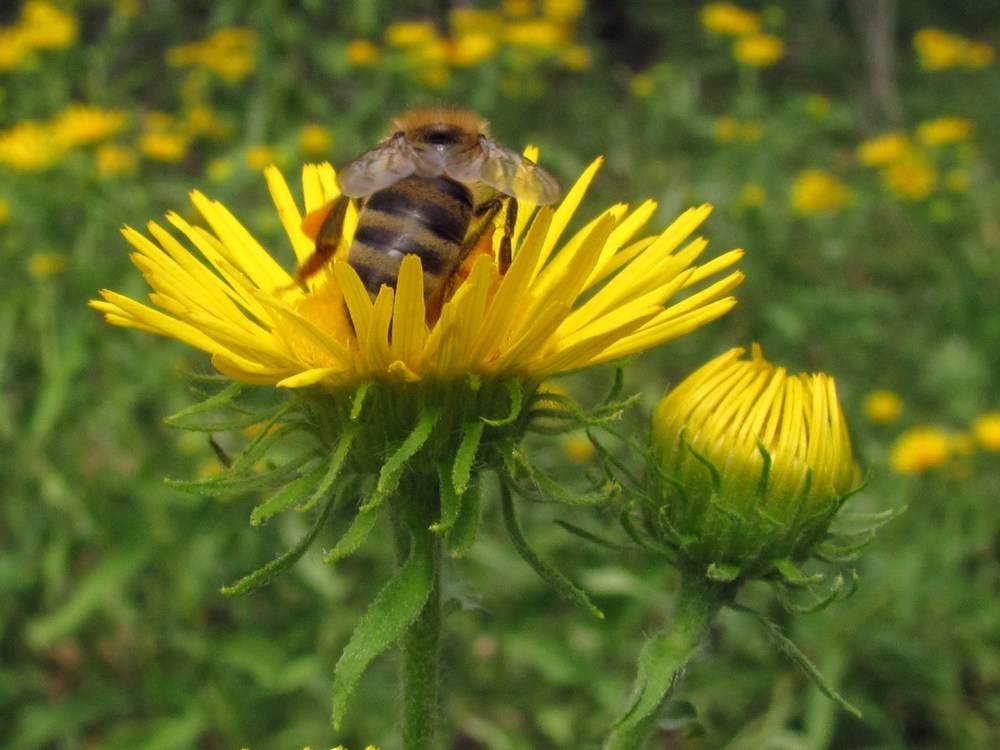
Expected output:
(434, 189)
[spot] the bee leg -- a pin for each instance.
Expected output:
(328, 237)
(509, 222)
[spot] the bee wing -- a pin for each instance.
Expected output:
(378, 167)
(505, 170)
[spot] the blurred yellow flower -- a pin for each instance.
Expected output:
(47, 26)
(563, 11)
(920, 449)
(537, 33)
(82, 124)
(362, 53)
(471, 48)
(815, 191)
(315, 140)
(911, 177)
(260, 156)
(410, 33)
(464, 20)
(29, 146)
(818, 106)
(957, 180)
(986, 429)
(758, 50)
(641, 85)
(978, 55)
(44, 265)
(883, 407)
(753, 195)
(161, 146)
(230, 53)
(110, 159)
(938, 50)
(884, 149)
(4, 212)
(15, 48)
(729, 128)
(578, 448)
(518, 8)
(201, 119)
(728, 19)
(576, 57)
(944, 130)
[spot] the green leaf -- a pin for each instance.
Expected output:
(395, 607)
(395, 464)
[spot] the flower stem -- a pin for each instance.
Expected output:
(420, 644)
(664, 656)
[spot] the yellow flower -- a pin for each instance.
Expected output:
(82, 124)
(362, 53)
(753, 195)
(29, 146)
(112, 159)
(166, 147)
(260, 156)
(986, 430)
(230, 53)
(47, 26)
(44, 265)
(15, 48)
(911, 177)
(315, 140)
(755, 462)
(728, 19)
(944, 130)
(938, 50)
(578, 448)
(920, 449)
(884, 149)
(201, 119)
(410, 34)
(562, 305)
(815, 191)
(537, 33)
(471, 48)
(576, 57)
(563, 11)
(882, 407)
(758, 50)
(978, 55)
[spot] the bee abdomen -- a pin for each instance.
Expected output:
(414, 216)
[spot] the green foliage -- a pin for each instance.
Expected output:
(113, 632)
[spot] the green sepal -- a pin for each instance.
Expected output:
(554, 577)
(227, 483)
(792, 651)
(465, 456)
(516, 392)
(790, 574)
(463, 531)
(450, 501)
(286, 496)
(722, 573)
(395, 607)
(280, 564)
(358, 402)
(555, 491)
(590, 536)
(838, 589)
(334, 468)
(184, 418)
(395, 464)
(355, 535)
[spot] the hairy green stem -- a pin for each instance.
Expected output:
(664, 656)
(420, 644)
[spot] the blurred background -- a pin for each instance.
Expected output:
(850, 146)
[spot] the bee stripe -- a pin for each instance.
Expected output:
(395, 245)
(447, 222)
